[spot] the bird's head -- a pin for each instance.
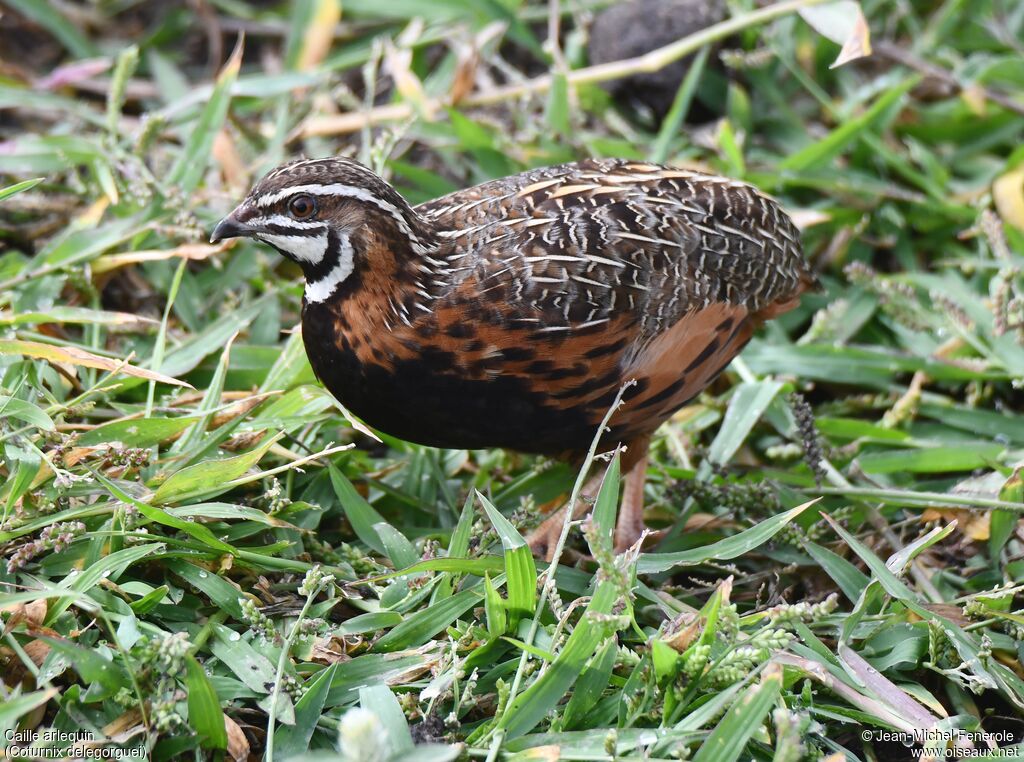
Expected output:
(326, 215)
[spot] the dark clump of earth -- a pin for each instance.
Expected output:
(634, 28)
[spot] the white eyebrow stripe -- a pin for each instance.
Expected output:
(317, 189)
(347, 191)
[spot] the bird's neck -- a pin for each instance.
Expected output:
(382, 275)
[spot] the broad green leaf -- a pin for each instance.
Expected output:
(822, 151)
(12, 407)
(136, 432)
(867, 366)
(458, 546)
(221, 592)
(209, 477)
(13, 708)
(557, 115)
(249, 665)
(670, 126)
(211, 399)
(531, 706)
(398, 549)
(77, 316)
(110, 567)
(361, 515)
(848, 577)
(104, 677)
(382, 702)
(931, 459)
(22, 467)
(476, 566)
(494, 609)
(1002, 523)
(607, 502)
(592, 683)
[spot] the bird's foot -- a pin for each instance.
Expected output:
(544, 539)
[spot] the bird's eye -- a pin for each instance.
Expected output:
(302, 207)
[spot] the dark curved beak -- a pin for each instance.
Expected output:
(230, 227)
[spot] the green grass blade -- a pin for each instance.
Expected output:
(360, 513)
(192, 163)
(730, 736)
(422, 625)
(520, 568)
(731, 547)
(24, 185)
(294, 739)
(160, 516)
(204, 713)
(745, 408)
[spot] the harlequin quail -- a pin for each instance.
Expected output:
(510, 314)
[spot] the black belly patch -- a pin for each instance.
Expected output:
(421, 400)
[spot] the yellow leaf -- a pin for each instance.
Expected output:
(197, 251)
(972, 524)
(399, 63)
(226, 155)
(93, 213)
(975, 98)
(1008, 194)
(316, 43)
(76, 356)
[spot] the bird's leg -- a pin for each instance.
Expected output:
(544, 538)
(630, 526)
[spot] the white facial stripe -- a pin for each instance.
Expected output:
(305, 248)
(319, 290)
(285, 221)
(334, 189)
(348, 191)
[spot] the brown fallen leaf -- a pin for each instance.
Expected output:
(399, 66)
(32, 614)
(955, 614)
(690, 627)
(332, 649)
(77, 356)
(193, 251)
(225, 153)
(973, 524)
(238, 744)
(467, 63)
